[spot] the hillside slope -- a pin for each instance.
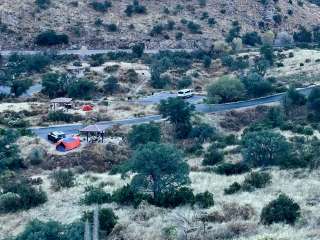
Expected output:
(22, 20)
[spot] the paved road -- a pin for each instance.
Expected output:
(205, 108)
(157, 97)
(87, 52)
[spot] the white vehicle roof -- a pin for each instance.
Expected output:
(185, 90)
(57, 133)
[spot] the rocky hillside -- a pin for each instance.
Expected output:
(159, 23)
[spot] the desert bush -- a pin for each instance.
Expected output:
(256, 180)
(135, 8)
(213, 156)
(107, 219)
(96, 195)
(36, 156)
(127, 195)
(144, 133)
(256, 85)
(184, 82)
(111, 85)
(232, 168)
(194, 27)
(57, 116)
(51, 38)
(303, 35)
(281, 210)
(62, 179)
(138, 49)
(9, 202)
(203, 132)
(19, 87)
(19, 64)
(112, 27)
(81, 88)
(10, 158)
(226, 89)
(251, 39)
(233, 188)
(26, 196)
(204, 200)
(172, 199)
(43, 4)
(100, 6)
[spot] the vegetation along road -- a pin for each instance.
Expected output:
(204, 108)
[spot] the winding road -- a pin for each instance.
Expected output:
(204, 108)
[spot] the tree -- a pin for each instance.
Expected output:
(19, 87)
(226, 89)
(55, 85)
(267, 52)
(302, 36)
(256, 85)
(213, 156)
(81, 88)
(9, 152)
(314, 101)
(251, 39)
(293, 99)
(179, 113)
(160, 168)
(265, 148)
(51, 38)
(144, 133)
(43, 3)
(138, 49)
(111, 85)
(281, 210)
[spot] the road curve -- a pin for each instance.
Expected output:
(204, 108)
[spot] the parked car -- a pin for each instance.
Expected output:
(185, 93)
(56, 136)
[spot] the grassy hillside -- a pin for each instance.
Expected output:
(112, 24)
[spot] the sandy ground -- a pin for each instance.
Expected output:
(18, 107)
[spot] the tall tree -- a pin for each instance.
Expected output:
(160, 169)
(179, 113)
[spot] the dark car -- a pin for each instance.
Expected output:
(56, 136)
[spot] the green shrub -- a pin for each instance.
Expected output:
(203, 132)
(194, 27)
(281, 210)
(232, 168)
(36, 156)
(256, 180)
(251, 38)
(233, 188)
(111, 85)
(265, 148)
(96, 195)
(51, 38)
(9, 202)
(19, 87)
(100, 6)
(144, 133)
(212, 157)
(135, 8)
(43, 4)
(112, 27)
(175, 198)
(184, 82)
(60, 116)
(20, 195)
(226, 89)
(62, 179)
(81, 88)
(138, 49)
(107, 219)
(204, 200)
(128, 196)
